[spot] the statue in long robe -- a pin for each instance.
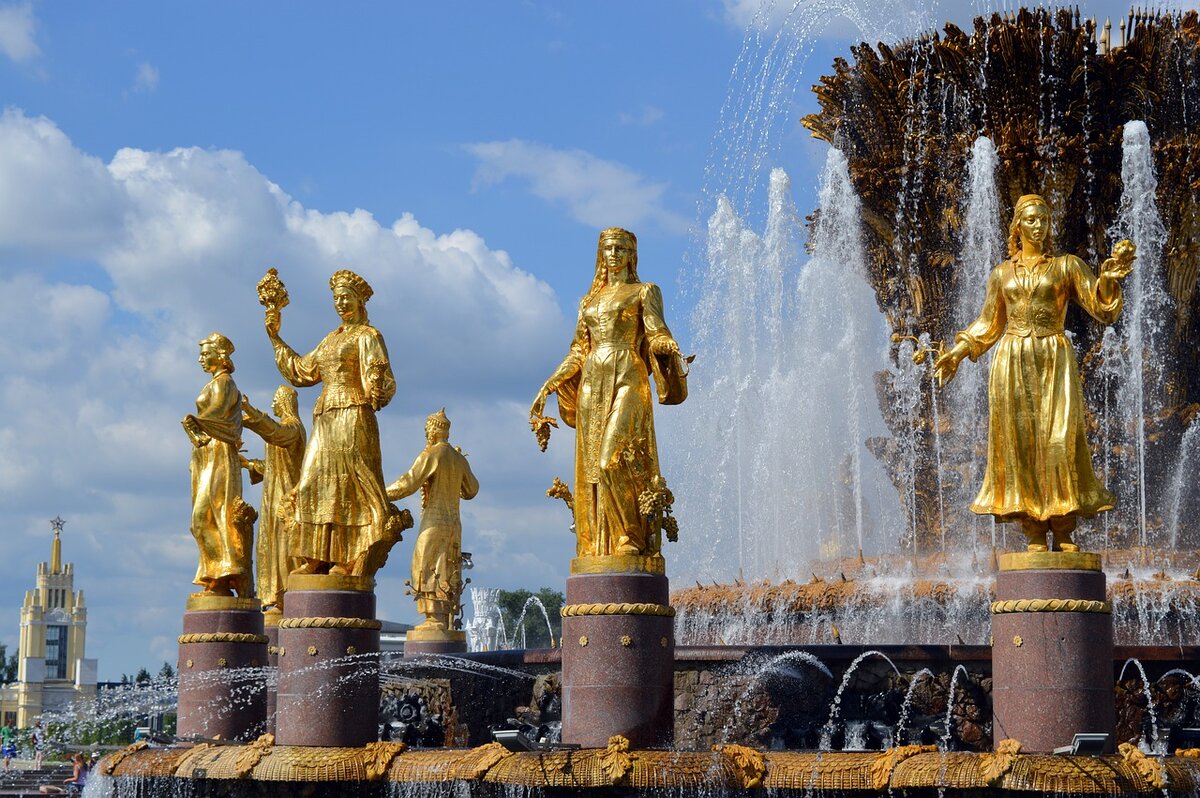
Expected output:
(222, 523)
(344, 523)
(278, 471)
(603, 389)
(1039, 470)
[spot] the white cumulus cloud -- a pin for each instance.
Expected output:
(17, 26)
(54, 199)
(597, 192)
(109, 275)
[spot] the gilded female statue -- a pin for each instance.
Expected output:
(603, 388)
(1039, 470)
(279, 471)
(343, 522)
(222, 523)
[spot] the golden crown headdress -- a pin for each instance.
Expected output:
(347, 278)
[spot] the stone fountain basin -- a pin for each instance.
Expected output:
(390, 769)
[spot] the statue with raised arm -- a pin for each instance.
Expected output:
(621, 501)
(1039, 470)
(343, 521)
(222, 524)
(443, 475)
(279, 471)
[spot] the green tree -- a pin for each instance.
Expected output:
(143, 677)
(8, 665)
(514, 602)
(166, 671)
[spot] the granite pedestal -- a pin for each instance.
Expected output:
(328, 663)
(271, 618)
(222, 685)
(618, 653)
(1052, 650)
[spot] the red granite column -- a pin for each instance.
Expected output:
(222, 685)
(271, 618)
(328, 662)
(618, 653)
(1052, 650)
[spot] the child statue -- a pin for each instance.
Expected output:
(278, 471)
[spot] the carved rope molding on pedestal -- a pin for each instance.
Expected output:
(330, 623)
(222, 637)
(1051, 605)
(575, 610)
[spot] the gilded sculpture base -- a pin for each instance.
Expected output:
(211, 601)
(1050, 560)
(385, 769)
(619, 564)
(419, 641)
(328, 667)
(359, 584)
(1052, 650)
(222, 686)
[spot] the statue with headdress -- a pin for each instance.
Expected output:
(343, 523)
(222, 523)
(1039, 470)
(621, 502)
(443, 475)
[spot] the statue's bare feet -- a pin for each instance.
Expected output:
(1036, 547)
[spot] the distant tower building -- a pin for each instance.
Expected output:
(485, 631)
(52, 672)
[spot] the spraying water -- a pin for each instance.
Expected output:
(1140, 394)
(779, 429)
(982, 248)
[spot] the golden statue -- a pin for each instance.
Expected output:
(442, 474)
(222, 523)
(1039, 471)
(344, 524)
(279, 471)
(621, 503)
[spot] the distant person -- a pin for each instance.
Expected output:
(73, 785)
(8, 743)
(38, 739)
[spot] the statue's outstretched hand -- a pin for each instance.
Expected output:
(538, 408)
(1120, 263)
(664, 345)
(272, 322)
(946, 366)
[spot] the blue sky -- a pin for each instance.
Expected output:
(156, 158)
(378, 107)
